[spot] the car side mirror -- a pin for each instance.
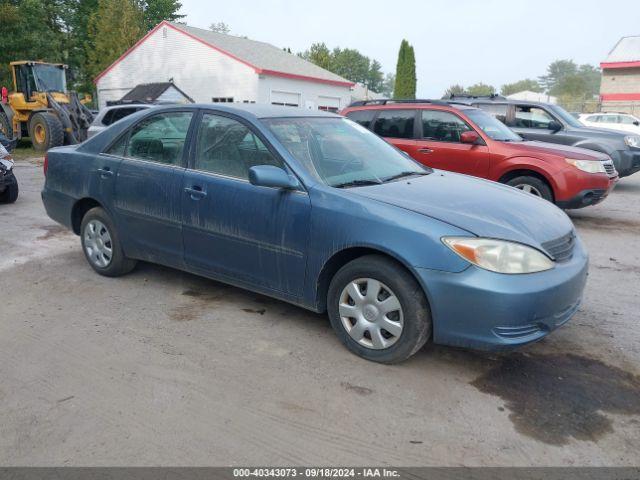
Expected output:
(554, 126)
(636, 123)
(470, 137)
(273, 177)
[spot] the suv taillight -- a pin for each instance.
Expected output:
(45, 166)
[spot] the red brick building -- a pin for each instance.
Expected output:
(620, 88)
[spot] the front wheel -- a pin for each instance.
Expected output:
(378, 310)
(101, 245)
(533, 186)
(45, 131)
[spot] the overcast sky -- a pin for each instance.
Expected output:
(456, 41)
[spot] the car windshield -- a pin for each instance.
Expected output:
(566, 116)
(492, 127)
(341, 153)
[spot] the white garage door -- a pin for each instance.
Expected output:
(329, 104)
(287, 99)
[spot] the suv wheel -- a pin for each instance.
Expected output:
(532, 185)
(378, 310)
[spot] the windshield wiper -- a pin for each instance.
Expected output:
(357, 183)
(403, 174)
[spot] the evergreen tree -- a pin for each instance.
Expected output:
(113, 28)
(155, 11)
(406, 81)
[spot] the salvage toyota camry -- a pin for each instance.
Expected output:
(313, 209)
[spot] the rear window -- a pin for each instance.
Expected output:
(497, 111)
(395, 123)
(116, 114)
(363, 117)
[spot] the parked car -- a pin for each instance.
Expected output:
(547, 122)
(467, 140)
(311, 208)
(111, 114)
(622, 122)
(8, 182)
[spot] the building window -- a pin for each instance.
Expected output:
(328, 109)
(222, 99)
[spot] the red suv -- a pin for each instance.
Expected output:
(467, 140)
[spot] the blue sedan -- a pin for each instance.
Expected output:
(310, 208)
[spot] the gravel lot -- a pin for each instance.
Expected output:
(166, 368)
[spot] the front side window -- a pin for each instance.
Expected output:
(363, 117)
(532, 117)
(341, 153)
(395, 123)
(160, 138)
(611, 119)
(492, 127)
(442, 126)
(627, 120)
(228, 147)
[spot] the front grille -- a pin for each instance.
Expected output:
(609, 168)
(561, 249)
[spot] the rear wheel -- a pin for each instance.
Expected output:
(101, 245)
(533, 186)
(378, 309)
(10, 194)
(45, 131)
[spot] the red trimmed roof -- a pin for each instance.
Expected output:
(265, 59)
(610, 65)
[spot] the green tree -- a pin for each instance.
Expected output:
(113, 28)
(388, 85)
(556, 72)
(30, 30)
(375, 77)
(350, 64)
(405, 86)
(480, 89)
(520, 86)
(155, 11)
(318, 54)
(455, 89)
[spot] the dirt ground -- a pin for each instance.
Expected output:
(166, 368)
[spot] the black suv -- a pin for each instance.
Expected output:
(546, 122)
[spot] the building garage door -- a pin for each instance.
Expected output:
(287, 99)
(329, 104)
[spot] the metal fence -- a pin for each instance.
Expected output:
(595, 106)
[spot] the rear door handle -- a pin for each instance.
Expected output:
(196, 192)
(105, 172)
(425, 150)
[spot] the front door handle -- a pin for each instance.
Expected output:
(425, 150)
(105, 172)
(196, 192)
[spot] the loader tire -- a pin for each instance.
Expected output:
(45, 131)
(5, 126)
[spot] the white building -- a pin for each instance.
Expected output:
(529, 96)
(213, 67)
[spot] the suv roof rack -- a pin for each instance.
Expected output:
(493, 96)
(385, 101)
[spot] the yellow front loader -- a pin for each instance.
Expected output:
(40, 107)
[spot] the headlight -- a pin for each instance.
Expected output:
(499, 256)
(589, 166)
(632, 141)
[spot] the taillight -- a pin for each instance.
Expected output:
(46, 164)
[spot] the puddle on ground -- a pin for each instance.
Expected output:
(554, 398)
(52, 231)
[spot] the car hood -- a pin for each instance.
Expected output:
(600, 133)
(481, 207)
(565, 151)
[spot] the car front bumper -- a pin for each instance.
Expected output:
(491, 311)
(627, 163)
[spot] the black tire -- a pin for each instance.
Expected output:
(5, 126)
(541, 187)
(118, 264)
(45, 131)
(416, 330)
(10, 194)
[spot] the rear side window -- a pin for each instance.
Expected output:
(363, 117)
(116, 114)
(160, 138)
(442, 126)
(395, 123)
(499, 112)
(532, 117)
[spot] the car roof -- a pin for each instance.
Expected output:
(253, 110)
(407, 105)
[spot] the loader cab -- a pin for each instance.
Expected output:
(32, 77)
